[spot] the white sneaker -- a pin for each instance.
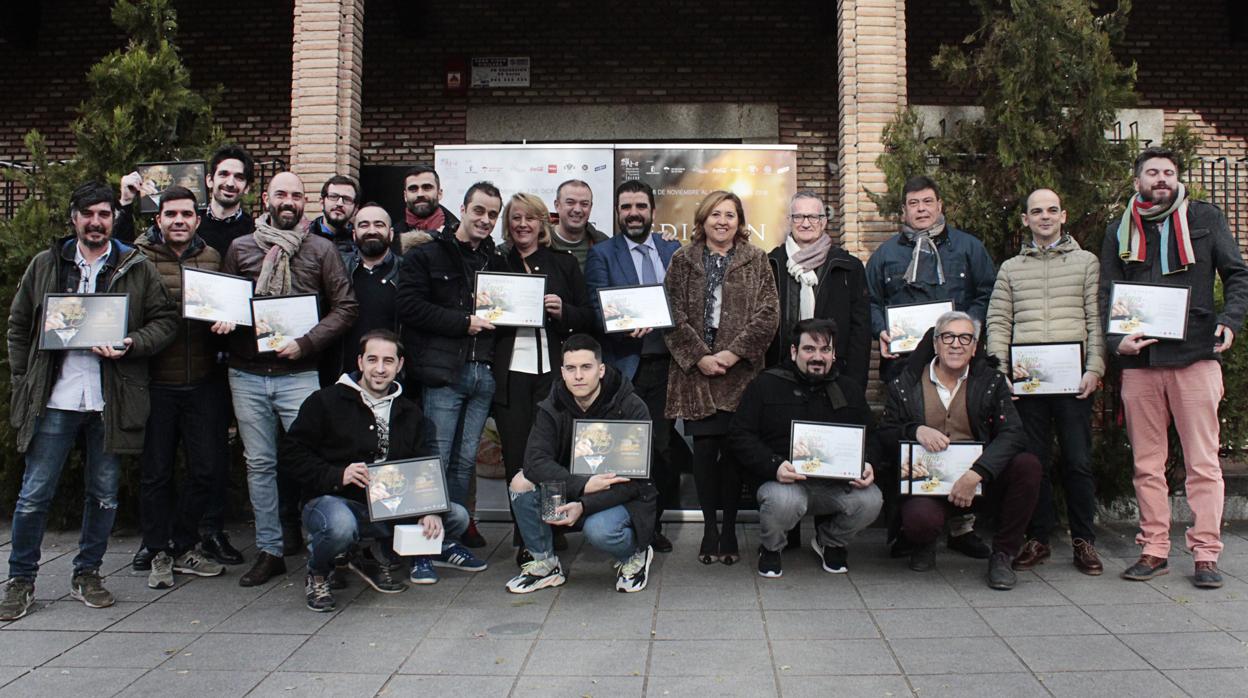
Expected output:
(161, 576)
(537, 574)
(194, 562)
(634, 573)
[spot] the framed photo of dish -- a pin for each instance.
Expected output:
(282, 319)
(401, 489)
(611, 446)
(628, 308)
(1157, 310)
(510, 300)
(909, 322)
(836, 451)
(926, 472)
(1051, 368)
(215, 297)
(83, 320)
(159, 176)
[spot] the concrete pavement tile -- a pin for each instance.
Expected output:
(822, 686)
(426, 596)
(507, 622)
(797, 594)
(718, 685)
(924, 591)
(1075, 653)
(1181, 589)
(1138, 684)
(1030, 591)
(964, 655)
(588, 658)
(709, 658)
(286, 683)
(701, 625)
(1208, 682)
(197, 683)
(468, 657)
(218, 591)
(1107, 590)
(1149, 618)
(1019, 685)
(832, 657)
(382, 653)
(48, 681)
(135, 650)
(69, 614)
(372, 621)
(1190, 650)
(918, 623)
(820, 625)
(50, 587)
(26, 648)
(287, 617)
(232, 651)
(125, 588)
(598, 687)
(173, 618)
(681, 572)
(1061, 620)
(9, 673)
(707, 599)
(603, 622)
(409, 685)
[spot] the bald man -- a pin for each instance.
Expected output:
(283, 259)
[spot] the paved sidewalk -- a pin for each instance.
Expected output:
(879, 631)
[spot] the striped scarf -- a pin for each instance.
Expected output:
(1176, 240)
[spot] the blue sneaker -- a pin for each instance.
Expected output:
(422, 571)
(460, 558)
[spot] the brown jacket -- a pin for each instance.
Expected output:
(191, 357)
(748, 320)
(315, 268)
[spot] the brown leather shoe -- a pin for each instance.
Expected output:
(1086, 559)
(1147, 567)
(1033, 553)
(267, 567)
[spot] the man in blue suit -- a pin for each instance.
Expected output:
(638, 256)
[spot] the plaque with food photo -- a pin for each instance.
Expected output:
(1154, 310)
(828, 450)
(215, 297)
(83, 320)
(926, 472)
(1054, 368)
(628, 308)
(909, 322)
(159, 176)
(283, 319)
(406, 488)
(611, 446)
(510, 300)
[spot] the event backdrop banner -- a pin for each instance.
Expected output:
(764, 176)
(536, 169)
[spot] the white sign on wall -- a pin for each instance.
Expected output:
(510, 71)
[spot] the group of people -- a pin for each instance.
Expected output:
(400, 366)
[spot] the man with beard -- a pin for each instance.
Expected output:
(283, 259)
(809, 389)
(373, 270)
(339, 197)
(574, 233)
(638, 256)
(1165, 238)
(98, 394)
(424, 216)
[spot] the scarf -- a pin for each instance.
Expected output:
(921, 239)
(716, 268)
(278, 246)
(435, 221)
(1176, 250)
(803, 261)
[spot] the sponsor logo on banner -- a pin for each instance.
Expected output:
(599, 168)
(552, 169)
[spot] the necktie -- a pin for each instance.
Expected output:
(648, 276)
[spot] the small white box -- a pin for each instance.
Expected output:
(409, 539)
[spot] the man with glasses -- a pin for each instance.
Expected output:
(339, 195)
(957, 396)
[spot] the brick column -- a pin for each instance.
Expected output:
(871, 67)
(325, 92)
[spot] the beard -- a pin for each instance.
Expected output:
(1159, 196)
(275, 217)
(337, 220)
(641, 234)
(373, 246)
(421, 209)
(93, 244)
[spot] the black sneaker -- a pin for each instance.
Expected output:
(217, 546)
(472, 537)
(320, 598)
(142, 561)
(19, 596)
(1001, 572)
(969, 545)
(660, 543)
(923, 558)
(769, 563)
(794, 538)
(386, 577)
(834, 558)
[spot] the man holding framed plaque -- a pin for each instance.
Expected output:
(362, 419)
(826, 468)
(950, 397)
(1044, 329)
(1166, 238)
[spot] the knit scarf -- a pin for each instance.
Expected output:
(921, 239)
(803, 261)
(279, 246)
(434, 222)
(1176, 240)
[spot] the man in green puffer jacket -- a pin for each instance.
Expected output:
(1048, 293)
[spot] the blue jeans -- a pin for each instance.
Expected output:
(259, 402)
(55, 434)
(458, 412)
(335, 523)
(610, 530)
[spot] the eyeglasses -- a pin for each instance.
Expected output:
(335, 198)
(799, 218)
(947, 338)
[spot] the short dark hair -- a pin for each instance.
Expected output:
(572, 183)
(1156, 152)
(89, 194)
(233, 151)
(176, 193)
(815, 327)
(382, 334)
(423, 169)
(633, 186)
(582, 342)
(342, 180)
(918, 183)
(486, 188)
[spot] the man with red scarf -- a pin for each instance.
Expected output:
(1165, 238)
(423, 213)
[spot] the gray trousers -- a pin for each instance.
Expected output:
(844, 510)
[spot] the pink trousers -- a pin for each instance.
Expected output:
(1151, 397)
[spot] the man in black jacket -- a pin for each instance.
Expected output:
(361, 419)
(339, 203)
(811, 390)
(615, 513)
(424, 216)
(958, 397)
